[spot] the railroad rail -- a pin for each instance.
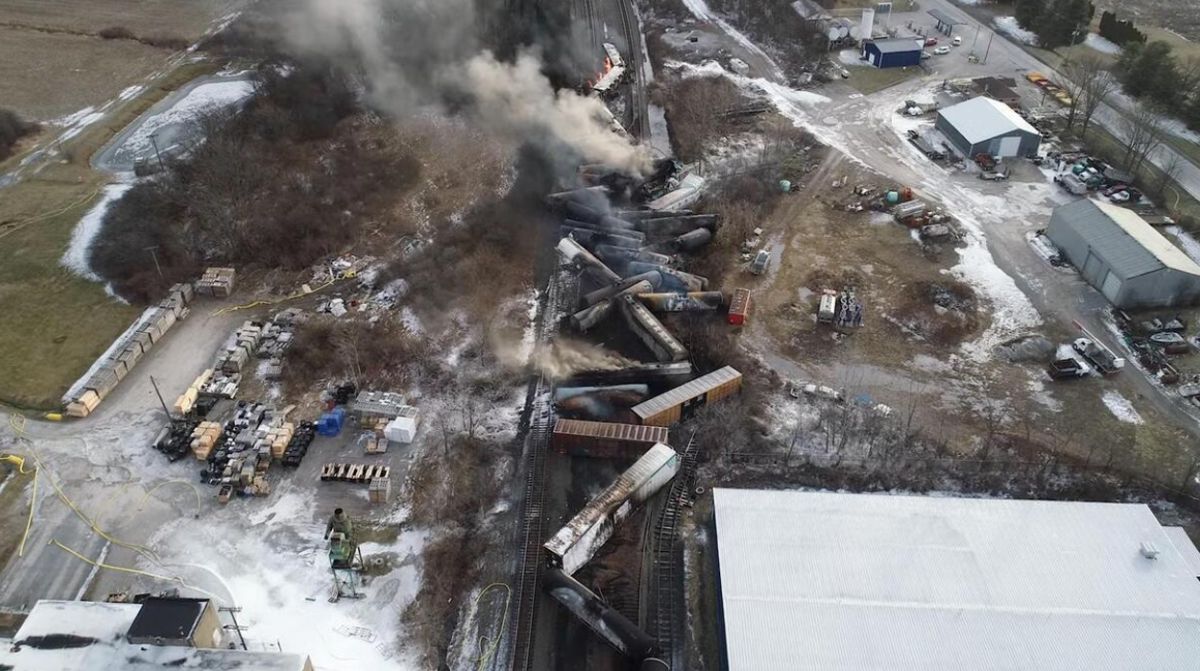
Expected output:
(669, 605)
(559, 293)
(633, 43)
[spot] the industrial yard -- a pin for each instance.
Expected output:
(654, 334)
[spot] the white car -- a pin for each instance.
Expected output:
(942, 50)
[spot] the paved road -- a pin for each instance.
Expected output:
(1007, 55)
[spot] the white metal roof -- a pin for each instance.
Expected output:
(853, 582)
(106, 624)
(1150, 239)
(898, 45)
(981, 119)
(1185, 546)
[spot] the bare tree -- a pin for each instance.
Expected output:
(1144, 130)
(1170, 173)
(1089, 85)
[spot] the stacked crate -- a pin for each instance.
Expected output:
(187, 400)
(279, 437)
(204, 438)
(217, 282)
(380, 490)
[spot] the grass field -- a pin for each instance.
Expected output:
(868, 80)
(55, 324)
(187, 19)
(1177, 200)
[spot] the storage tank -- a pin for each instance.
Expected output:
(866, 28)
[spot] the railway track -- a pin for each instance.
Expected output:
(559, 292)
(633, 44)
(669, 606)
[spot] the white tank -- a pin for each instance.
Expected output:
(867, 27)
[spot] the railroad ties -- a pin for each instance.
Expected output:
(668, 587)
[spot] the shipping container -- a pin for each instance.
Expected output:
(576, 543)
(739, 307)
(683, 401)
(605, 440)
(650, 331)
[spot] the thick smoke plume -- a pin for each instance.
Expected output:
(418, 53)
(564, 358)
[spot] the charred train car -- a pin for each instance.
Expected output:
(576, 543)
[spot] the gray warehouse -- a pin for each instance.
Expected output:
(985, 126)
(1121, 255)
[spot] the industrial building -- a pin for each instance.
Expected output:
(160, 633)
(985, 126)
(1123, 257)
(896, 52)
(815, 581)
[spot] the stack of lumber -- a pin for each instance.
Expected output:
(217, 282)
(204, 437)
(380, 489)
(279, 437)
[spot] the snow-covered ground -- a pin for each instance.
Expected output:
(1101, 44)
(1121, 408)
(1009, 26)
(701, 10)
(200, 100)
(1189, 245)
(76, 256)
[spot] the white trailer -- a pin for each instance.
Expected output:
(577, 542)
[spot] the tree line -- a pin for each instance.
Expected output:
(1057, 23)
(12, 128)
(1152, 72)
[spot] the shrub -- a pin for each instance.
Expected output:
(172, 42)
(12, 128)
(117, 33)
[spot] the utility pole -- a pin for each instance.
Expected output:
(154, 141)
(989, 46)
(160, 398)
(154, 256)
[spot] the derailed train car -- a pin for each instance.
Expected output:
(605, 439)
(576, 543)
(683, 401)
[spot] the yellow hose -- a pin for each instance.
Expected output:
(491, 652)
(110, 567)
(28, 522)
(298, 294)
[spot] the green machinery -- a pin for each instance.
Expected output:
(346, 564)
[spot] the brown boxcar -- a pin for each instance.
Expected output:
(682, 401)
(606, 440)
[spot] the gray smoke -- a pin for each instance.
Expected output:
(415, 53)
(564, 358)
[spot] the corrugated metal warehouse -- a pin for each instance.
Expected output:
(894, 53)
(817, 581)
(1123, 257)
(985, 126)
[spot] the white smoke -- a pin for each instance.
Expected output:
(414, 52)
(518, 100)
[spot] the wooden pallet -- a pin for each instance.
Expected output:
(360, 473)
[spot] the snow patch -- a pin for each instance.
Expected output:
(1009, 26)
(1121, 408)
(1102, 45)
(700, 9)
(75, 258)
(1190, 245)
(204, 98)
(131, 92)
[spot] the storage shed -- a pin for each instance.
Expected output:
(986, 126)
(893, 53)
(1123, 257)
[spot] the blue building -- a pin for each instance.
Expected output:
(893, 53)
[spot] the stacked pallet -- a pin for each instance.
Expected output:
(239, 349)
(360, 473)
(379, 490)
(217, 282)
(187, 400)
(204, 437)
(278, 439)
(125, 352)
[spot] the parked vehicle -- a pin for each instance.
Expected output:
(925, 146)
(931, 42)
(994, 175)
(957, 41)
(761, 260)
(1067, 369)
(1099, 356)
(942, 50)
(1072, 184)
